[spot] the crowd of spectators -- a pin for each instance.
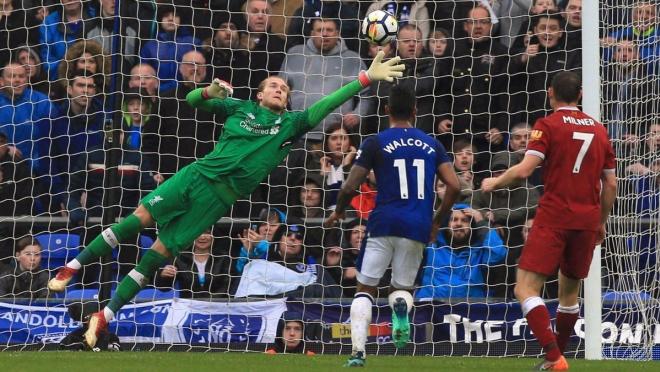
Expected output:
(480, 70)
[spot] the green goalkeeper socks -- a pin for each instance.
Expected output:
(136, 279)
(103, 244)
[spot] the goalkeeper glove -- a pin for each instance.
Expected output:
(218, 89)
(380, 70)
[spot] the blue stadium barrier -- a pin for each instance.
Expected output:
(82, 294)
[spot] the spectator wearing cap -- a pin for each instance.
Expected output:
(457, 263)
(320, 66)
(265, 50)
(257, 239)
(60, 29)
(345, 12)
(288, 257)
(186, 134)
(172, 42)
(225, 54)
(290, 336)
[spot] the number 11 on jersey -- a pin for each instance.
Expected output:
(400, 164)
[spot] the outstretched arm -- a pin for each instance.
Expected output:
(519, 171)
(378, 71)
(212, 98)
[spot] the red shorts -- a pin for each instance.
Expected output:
(548, 249)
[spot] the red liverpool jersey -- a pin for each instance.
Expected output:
(576, 151)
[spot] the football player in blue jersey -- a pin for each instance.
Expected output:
(405, 161)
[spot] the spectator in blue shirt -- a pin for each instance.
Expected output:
(24, 114)
(77, 128)
(455, 264)
(172, 42)
(59, 30)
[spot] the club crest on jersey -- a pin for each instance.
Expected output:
(535, 135)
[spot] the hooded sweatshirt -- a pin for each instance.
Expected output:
(312, 76)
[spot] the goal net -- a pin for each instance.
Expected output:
(93, 117)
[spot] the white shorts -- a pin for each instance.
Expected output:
(404, 254)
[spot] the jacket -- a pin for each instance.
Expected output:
(19, 283)
(312, 76)
(71, 136)
(459, 273)
(474, 95)
(215, 282)
(165, 53)
(26, 121)
(55, 37)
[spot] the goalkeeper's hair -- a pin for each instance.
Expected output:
(566, 86)
(401, 102)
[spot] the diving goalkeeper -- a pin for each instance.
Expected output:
(257, 136)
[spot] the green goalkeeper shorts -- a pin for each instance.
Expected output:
(185, 206)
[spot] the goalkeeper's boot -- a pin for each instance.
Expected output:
(96, 326)
(63, 277)
(356, 360)
(400, 323)
(558, 365)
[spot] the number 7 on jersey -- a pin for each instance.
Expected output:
(586, 139)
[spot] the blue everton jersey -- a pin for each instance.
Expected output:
(405, 161)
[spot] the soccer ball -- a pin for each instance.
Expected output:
(380, 27)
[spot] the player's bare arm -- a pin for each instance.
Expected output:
(348, 190)
(607, 196)
(519, 171)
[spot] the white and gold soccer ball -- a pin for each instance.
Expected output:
(380, 27)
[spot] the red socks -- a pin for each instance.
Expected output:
(566, 318)
(538, 319)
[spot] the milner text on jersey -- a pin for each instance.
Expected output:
(407, 142)
(576, 121)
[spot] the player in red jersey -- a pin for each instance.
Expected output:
(577, 158)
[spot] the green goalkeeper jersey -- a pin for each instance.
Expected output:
(254, 139)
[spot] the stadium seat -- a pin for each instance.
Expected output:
(82, 294)
(58, 248)
(625, 296)
(152, 294)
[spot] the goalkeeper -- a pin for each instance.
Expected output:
(257, 136)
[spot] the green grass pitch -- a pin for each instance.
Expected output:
(53, 361)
